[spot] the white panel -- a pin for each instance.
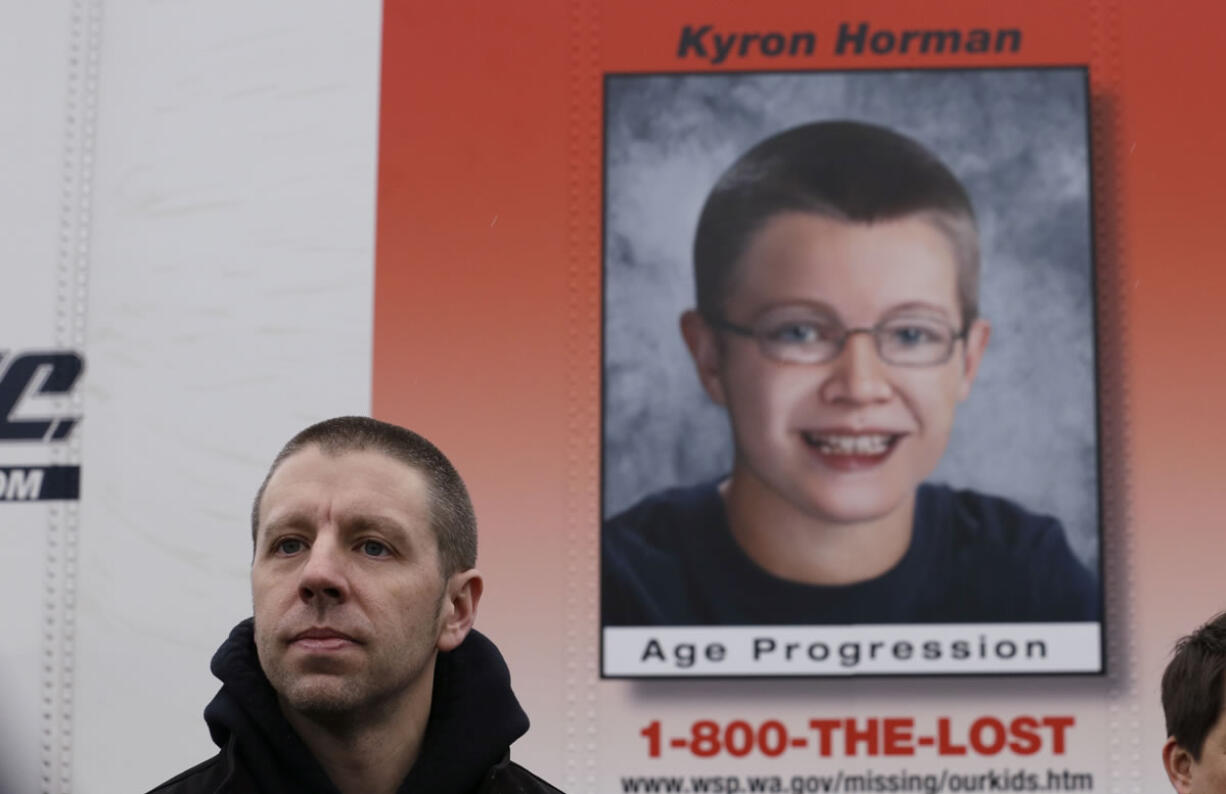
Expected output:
(230, 304)
(33, 78)
(34, 61)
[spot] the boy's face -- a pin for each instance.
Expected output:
(847, 440)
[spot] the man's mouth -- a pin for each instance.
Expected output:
(322, 639)
(851, 450)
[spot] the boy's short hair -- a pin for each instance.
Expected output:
(846, 170)
(1192, 685)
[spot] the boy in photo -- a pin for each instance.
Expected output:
(836, 268)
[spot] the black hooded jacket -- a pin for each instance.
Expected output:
(474, 717)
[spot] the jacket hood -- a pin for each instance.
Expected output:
(474, 717)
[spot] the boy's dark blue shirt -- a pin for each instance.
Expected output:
(671, 560)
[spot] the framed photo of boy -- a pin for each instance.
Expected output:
(850, 409)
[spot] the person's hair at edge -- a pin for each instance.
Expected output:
(845, 170)
(451, 511)
(1192, 685)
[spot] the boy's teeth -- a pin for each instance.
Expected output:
(852, 445)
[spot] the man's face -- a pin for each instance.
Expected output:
(350, 604)
(1204, 776)
(847, 440)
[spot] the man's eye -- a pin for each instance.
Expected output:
(373, 548)
(288, 546)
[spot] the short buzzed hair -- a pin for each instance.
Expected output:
(1192, 685)
(451, 511)
(846, 170)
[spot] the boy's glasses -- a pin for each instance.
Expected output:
(902, 341)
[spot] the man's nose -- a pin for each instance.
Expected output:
(858, 374)
(323, 578)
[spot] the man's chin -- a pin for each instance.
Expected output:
(321, 697)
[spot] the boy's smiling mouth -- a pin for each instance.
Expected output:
(842, 449)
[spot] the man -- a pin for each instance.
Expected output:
(1195, 749)
(360, 672)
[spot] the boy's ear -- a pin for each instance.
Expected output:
(459, 608)
(700, 338)
(1178, 763)
(976, 342)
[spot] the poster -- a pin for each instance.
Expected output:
(1017, 139)
(537, 206)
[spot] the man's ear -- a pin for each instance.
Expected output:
(976, 342)
(703, 344)
(459, 608)
(1178, 763)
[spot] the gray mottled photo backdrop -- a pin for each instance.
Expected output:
(1018, 141)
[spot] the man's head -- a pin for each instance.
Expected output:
(452, 518)
(364, 542)
(1195, 749)
(819, 230)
